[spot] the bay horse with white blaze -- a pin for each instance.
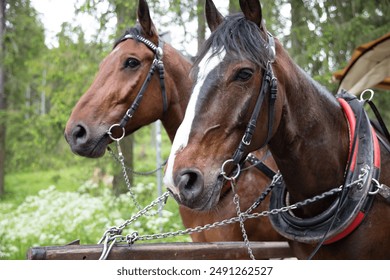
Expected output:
(117, 87)
(331, 196)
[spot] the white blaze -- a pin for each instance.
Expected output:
(116, 49)
(206, 65)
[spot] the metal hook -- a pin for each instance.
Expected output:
(377, 185)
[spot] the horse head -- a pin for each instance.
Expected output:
(103, 113)
(228, 75)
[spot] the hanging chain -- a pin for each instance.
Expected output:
(121, 159)
(236, 201)
(140, 173)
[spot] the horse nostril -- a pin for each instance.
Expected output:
(79, 134)
(190, 179)
(190, 184)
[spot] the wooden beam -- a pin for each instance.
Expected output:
(164, 251)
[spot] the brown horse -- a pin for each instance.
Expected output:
(329, 201)
(121, 76)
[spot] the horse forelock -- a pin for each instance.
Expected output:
(136, 30)
(240, 39)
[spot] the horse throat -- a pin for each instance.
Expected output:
(178, 86)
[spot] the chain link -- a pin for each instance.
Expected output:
(140, 173)
(236, 201)
(121, 159)
(113, 234)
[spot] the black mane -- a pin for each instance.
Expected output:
(136, 30)
(241, 39)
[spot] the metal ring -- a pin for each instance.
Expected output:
(378, 187)
(371, 95)
(235, 176)
(110, 133)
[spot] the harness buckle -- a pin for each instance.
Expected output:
(246, 142)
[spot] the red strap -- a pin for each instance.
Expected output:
(352, 126)
(348, 230)
(377, 150)
(377, 162)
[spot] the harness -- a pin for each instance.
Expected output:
(156, 64)
(361, 184)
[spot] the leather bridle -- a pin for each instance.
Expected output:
(268, 87)
(156, 64)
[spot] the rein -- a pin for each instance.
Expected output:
(156, 64)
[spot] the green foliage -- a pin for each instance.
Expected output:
(24, 42)
(62, 74)
(54, 217)
(325, 33)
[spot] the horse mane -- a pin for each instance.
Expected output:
(136, 30)
(240, 38)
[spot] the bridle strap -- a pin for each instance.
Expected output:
(156, 64)
(160, 67)
(130, 112)
(269, 84)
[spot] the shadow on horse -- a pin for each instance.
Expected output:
(332, 194)
(125, 96)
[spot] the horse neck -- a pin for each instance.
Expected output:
(311, 144)
(178, 87)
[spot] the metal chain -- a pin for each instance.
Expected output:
(236, 201)
(121, 159)
(246, 216)
(140, 173)
(112, 235)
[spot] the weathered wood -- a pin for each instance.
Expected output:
(164, 251)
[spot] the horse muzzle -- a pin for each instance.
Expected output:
(82, 142)
(191, 191)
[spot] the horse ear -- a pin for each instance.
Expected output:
(145, 20)
(252, 11)
(213, 16)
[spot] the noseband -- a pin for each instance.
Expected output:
(156, 64)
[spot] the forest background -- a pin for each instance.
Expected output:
(49, 195)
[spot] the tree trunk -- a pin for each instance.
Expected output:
(201, 23)
(3, 105)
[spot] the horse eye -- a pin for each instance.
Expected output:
(131, 63)
(244, 74)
